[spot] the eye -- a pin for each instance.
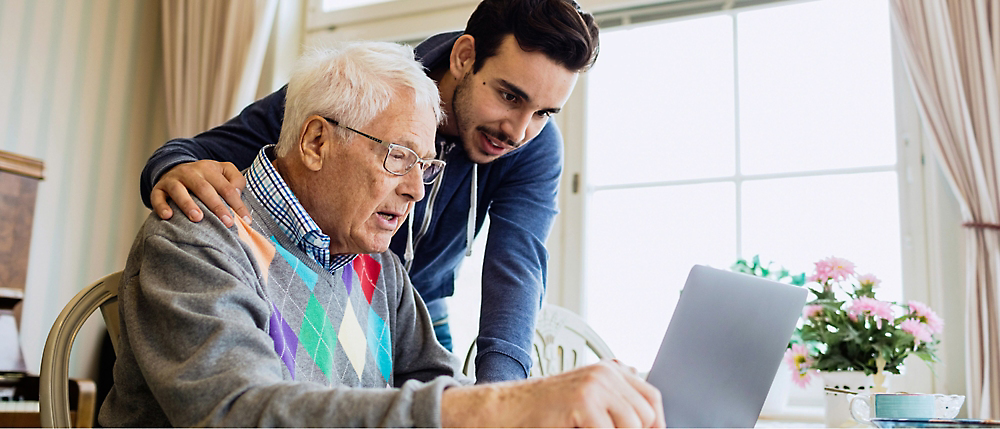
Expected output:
(398, 154)
(508, 97)
(543, 113)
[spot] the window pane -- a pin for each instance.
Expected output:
(664, 113)
(332, 5)
(816, 87)
(640, 245)
(798, 221)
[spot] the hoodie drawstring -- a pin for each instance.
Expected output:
(470, 233)
(408, 254)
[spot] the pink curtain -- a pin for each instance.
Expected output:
(951, 50)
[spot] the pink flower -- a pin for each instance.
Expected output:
(869, 279)
(920, 331)
(926, 315)
(832, 268)
(817, 278)
(810, 311)
(840, 268)
(797, 358)
(879, 310)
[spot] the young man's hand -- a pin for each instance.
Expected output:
(215, 183)
(607, 394)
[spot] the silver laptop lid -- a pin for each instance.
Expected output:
(723, 347)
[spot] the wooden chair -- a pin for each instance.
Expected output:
(54, 392)
(562, 340)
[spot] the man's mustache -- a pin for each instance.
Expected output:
(499, 135)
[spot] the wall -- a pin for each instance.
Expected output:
(81, 89)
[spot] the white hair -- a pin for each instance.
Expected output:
(352, 82)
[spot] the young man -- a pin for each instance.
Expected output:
(301, 317)
(513, 67)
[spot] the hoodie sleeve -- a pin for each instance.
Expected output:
(237, 141)
(515, 262)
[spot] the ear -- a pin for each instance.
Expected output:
(315, 138)
(463, 56)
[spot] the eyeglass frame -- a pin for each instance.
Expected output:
(385, 162)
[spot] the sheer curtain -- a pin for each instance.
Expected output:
(952, 54)
(213, 53)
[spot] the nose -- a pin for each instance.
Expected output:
(412, 184)
(516, 126)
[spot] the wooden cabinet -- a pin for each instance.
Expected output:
(19, 178)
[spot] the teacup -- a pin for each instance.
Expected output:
(867, 406)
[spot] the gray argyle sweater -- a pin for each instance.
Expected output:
(238, 327)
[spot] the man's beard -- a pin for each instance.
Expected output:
(462, 106)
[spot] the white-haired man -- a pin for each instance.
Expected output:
(302, 317)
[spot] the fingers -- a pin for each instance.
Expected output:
(611, 395)
(232, 194)
(158, 199)
(639, 400)
(217, 185)
(651, 395)
(179, 193)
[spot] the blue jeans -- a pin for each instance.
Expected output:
(439, 318)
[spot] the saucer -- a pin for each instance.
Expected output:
(935, 423)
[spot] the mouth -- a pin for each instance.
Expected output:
(495, 145)
(388, 216)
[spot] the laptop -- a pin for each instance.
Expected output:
(723, 347)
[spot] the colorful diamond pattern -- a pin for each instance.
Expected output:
(304, 272)
(348, 278)
(262, 250)
(285, 341)
(352, 339)
(380, 342)
(318, 336)
(368, 270)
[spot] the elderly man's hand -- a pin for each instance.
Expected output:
(211, 181)
(607, 394)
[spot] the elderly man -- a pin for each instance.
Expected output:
(302, 317)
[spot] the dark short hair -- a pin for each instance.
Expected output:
(558, 28)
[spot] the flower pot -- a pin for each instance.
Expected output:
(837, 413)
(777, 397)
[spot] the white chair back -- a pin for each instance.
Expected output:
(562, 340)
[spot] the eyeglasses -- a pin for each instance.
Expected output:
(399, 160)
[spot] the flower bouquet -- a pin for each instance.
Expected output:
(858, 332)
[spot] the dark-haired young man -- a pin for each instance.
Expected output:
(500, 81)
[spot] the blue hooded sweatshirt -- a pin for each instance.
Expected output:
(518, 190)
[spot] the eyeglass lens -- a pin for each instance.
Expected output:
(400, 160)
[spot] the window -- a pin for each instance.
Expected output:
(334, 5)
(766, 131)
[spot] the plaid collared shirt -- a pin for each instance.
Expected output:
(274, 194)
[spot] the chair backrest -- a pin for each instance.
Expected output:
(53, 393)
(562, 339)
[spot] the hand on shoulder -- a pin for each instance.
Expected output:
(218, 184)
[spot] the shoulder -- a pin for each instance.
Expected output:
(209, 232)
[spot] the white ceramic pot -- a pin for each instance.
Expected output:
(777, 397)
(837, 413)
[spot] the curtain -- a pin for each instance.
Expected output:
(951, 49)
(213, 53)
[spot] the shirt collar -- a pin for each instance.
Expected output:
(267, 185)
